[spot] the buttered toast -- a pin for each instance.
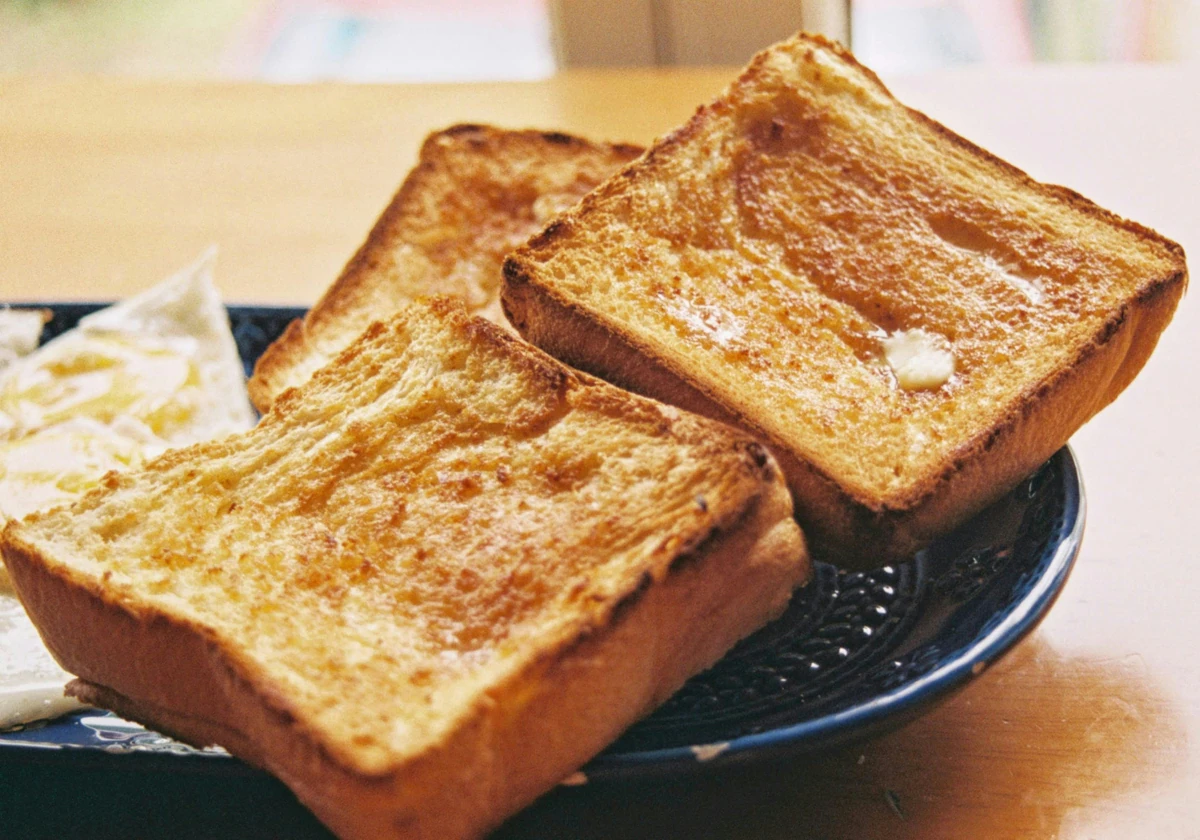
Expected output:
(430, 583)
(909, 323)
(475, 194)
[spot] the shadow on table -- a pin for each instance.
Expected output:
(1039, 736)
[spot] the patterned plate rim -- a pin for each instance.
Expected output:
(872, 715)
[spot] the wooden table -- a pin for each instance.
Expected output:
(1090, 729)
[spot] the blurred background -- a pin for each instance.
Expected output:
(473, 40)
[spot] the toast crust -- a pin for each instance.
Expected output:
(841, 526)
(475, 193)
(703, 589)
(847, 521)
(570, 333)
(651, 641)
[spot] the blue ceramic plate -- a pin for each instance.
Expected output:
(855, 653)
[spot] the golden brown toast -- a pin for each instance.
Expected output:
(429, 584)
(475, 194)
(909, 323)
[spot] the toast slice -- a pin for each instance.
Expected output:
(909, 323)
(428, 585)
(476, 193)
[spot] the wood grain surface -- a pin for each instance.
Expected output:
(1090, 729)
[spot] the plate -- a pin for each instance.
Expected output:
(855, 653)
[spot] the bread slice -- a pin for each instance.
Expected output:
(427, 586)
(909, 323)
(476, 193)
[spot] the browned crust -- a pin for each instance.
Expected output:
(700, 592)
(356, 279)
(265, 381)
(556, 229)
(518, 741)
(1056, 191)
(572, 334)
(843, 525)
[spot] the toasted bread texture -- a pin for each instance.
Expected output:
(476, 193)
(430, 583)
(760, 264)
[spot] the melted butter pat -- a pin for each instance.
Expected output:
(920, 360)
